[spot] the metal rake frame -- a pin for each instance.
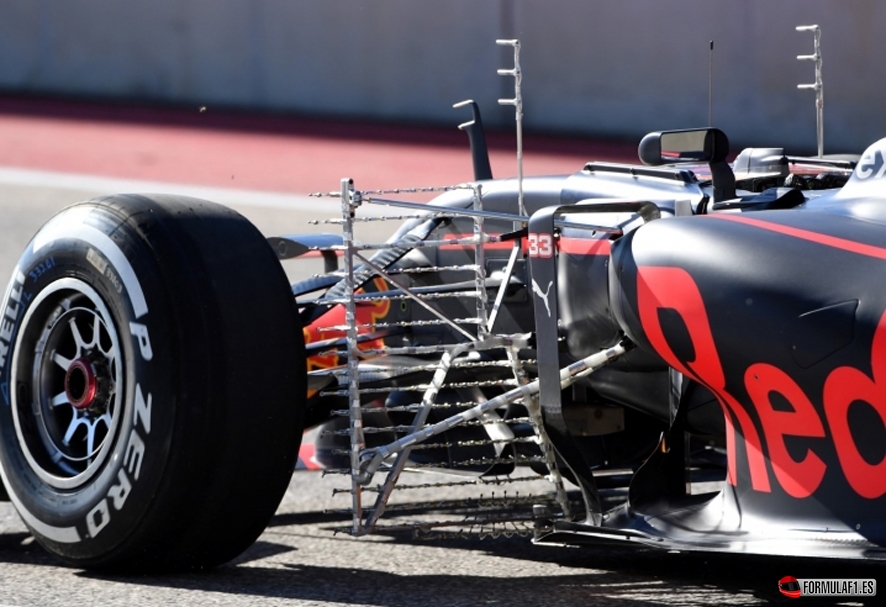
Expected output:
(392, 458)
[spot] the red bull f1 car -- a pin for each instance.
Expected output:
(687, 353)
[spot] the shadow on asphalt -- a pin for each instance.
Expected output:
(667, 571)
(588, 575)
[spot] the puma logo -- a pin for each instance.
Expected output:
(544, 295)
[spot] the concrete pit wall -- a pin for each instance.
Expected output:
(612, 69)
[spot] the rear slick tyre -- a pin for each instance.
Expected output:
(152, 382)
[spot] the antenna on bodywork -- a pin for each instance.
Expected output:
(517, 102)
(711, 85)
(818, 87)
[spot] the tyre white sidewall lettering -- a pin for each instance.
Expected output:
(71, 226)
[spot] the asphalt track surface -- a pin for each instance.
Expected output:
(53, 154)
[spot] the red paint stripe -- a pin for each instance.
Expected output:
(489, 246)
(584, 246)
(830, 241)
(573, 246)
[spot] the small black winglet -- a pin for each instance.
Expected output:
(477, 140)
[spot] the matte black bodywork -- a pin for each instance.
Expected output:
(781, 315)
(758, 327)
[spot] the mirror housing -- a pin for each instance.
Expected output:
(686, 145)
(692, 145)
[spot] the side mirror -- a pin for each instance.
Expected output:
(692, 145)
(688, 145)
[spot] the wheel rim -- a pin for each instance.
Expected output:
(67, 409)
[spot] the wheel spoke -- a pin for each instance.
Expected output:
(78, 338)
(90, 440)
(74, 356)
(72, 427)
(61, 361)
(96, 332)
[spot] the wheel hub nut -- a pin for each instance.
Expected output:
(82, 384)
